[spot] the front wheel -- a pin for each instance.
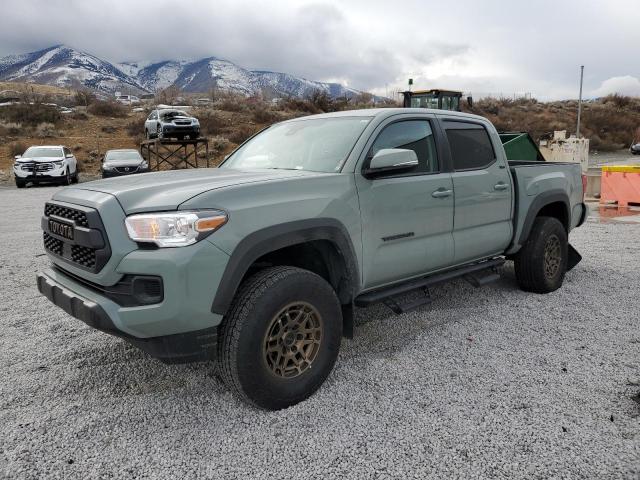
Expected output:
(280, 338)
(541, 264)
(20, 183)
(66, 180)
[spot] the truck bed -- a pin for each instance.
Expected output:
(535, 182)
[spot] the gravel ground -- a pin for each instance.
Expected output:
(491, 383)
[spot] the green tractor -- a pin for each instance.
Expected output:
(434, 98)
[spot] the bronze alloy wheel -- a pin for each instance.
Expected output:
(293, 339)
(552, 256)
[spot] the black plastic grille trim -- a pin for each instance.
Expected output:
(85, 256)
(52, 244)
(79, 217)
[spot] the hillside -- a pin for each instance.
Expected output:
(611, 123)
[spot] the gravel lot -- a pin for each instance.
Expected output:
(491, 382)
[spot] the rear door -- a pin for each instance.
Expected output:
(483, 191)
(407, 218)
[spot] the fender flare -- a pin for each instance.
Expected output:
(541, 201)
(264, 241)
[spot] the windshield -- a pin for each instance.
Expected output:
(42, 152)
(317, 145)
(173, 113)
(123, 155)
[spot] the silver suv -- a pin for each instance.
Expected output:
(171, 123)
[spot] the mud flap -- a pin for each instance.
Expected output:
(574, 257)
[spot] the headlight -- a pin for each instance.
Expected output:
(177, 229)
(144, 165)
(195, 121)
(106, 167)
(58, 163)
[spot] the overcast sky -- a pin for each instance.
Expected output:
(479, 46)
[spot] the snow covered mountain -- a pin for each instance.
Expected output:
(65, 67)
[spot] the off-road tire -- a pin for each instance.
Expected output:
(74, 177)
(146, 134)
(241, 347)
(20, 183)
(541, 264)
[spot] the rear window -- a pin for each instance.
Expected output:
(471, 147)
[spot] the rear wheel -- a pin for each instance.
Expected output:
(281, 337)
(541, 264)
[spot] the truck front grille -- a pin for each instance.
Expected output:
(78, 216)
(83, 255)
(126, 169)
(51, 244)
(87, 248)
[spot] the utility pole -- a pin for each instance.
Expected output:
(580, 101)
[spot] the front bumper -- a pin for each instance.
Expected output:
(177, 348)
(169, 130)
(54, 175)
(190, 278)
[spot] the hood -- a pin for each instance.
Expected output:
(40, 159)
(123, 163)
(162, 191)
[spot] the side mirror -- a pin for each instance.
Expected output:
(68, 155)
(17, 157)
(391, 160)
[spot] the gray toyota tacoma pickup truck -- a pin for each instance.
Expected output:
(259, 263)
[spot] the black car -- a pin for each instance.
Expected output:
(635, 148)
(123, 162)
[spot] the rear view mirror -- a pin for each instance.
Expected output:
(17, 157)
(391, 160)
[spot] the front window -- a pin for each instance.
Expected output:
(127, 155)
(43, 152)
(318, 145)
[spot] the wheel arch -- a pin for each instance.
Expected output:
(554, 203)
(314, 244)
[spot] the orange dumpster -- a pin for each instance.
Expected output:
(621, 184)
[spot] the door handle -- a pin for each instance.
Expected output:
(441, 193)
(500, 186)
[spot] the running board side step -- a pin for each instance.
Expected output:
(477, 274)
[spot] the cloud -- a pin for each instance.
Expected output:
(374, 45)
(625, 85)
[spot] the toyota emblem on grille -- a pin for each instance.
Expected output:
(126, 169)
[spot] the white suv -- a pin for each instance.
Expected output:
(46, 164)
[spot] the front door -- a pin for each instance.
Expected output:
(407, 218)
(482, 185)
